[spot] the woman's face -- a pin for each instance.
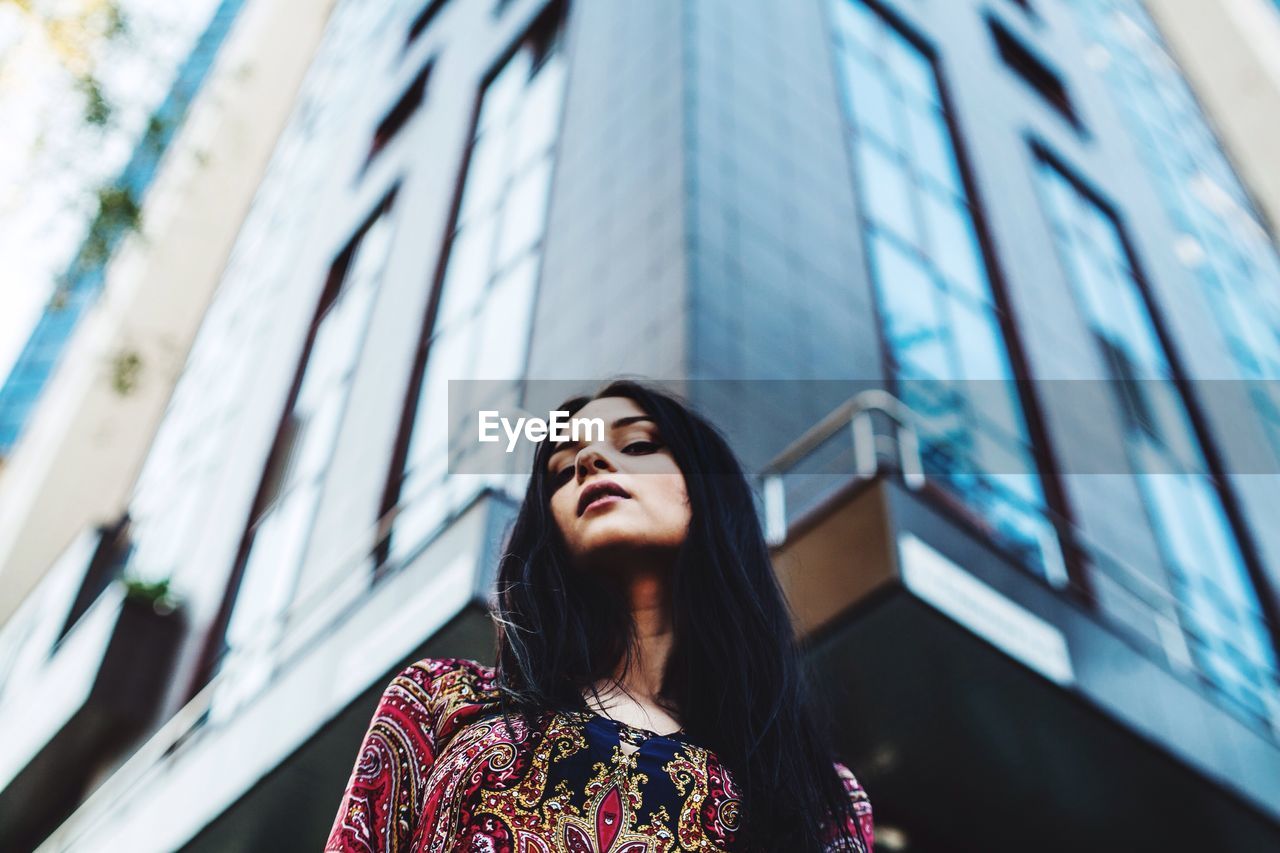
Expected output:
(654, 513)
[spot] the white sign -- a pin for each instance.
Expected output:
(1004, 623)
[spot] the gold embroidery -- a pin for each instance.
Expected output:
(608, 820)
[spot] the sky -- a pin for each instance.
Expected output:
(51, 160)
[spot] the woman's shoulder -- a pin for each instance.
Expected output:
(438, 696)
(438, 688)
(448, 680)
(438, 673)
(851, 784)
(861, 802)
(421, 708)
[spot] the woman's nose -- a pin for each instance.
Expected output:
(591, 457)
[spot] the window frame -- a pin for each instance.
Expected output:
(1044, 156)
(422, 22)
(560, 12)
(1035, 72)
(396, 118)
(1039, 443)
(274, 473)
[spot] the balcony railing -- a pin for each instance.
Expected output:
(897, 453)
(869, 449)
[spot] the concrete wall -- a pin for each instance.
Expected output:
(613, 293)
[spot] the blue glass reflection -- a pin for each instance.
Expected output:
(933, 289)
(1223, 241)
(1219, 609)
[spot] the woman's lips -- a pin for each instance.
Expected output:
(603, 500)
(597, 490)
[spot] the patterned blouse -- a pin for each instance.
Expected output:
(440, 771)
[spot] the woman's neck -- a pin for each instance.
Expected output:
(632, 695)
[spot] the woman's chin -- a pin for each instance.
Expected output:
(610, 542)
(612, 549)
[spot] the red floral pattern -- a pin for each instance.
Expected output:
(441, 770)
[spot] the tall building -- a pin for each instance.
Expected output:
(939, 270)
(105, 377)
(80, 407)
(86, 272)
(1228, 52)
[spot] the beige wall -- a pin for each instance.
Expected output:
(1230, 50)
(76, 462)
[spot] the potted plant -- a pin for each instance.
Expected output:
(156, 593)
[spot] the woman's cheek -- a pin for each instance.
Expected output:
(562, 512)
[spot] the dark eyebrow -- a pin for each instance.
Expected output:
(618, 424)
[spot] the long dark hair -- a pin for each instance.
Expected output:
(734, 672)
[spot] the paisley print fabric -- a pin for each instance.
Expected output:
(441, 771)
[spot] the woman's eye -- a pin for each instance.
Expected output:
(559, 478)
(646, 445)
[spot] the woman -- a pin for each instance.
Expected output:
(647, 695)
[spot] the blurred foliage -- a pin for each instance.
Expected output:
(157, 593)
(119, 214)
(126, 367)
(73, 34)
(73, 29)
(97, 109)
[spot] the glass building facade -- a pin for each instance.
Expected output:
(940, 317)
(1219, 608)
(210, 406)
(300, 459)
(1222, 237)
(202, 414)
(480, 326)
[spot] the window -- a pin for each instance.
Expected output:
(1221, 613)
(947, 350)
(1223, 241)
(1030, 11)
(1033, 71)
(400, 113)
(107, 564)
(478, 325)
(424, 19)
(261, 590)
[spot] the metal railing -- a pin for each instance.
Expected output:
(868, 448)
(901, 449)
